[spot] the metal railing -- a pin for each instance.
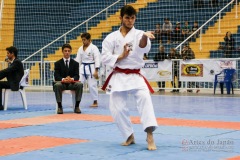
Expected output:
(43, 77)
(1, 11)
(65, 34)
(201, 27)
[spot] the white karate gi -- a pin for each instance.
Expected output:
(121, 84)
(89, 60)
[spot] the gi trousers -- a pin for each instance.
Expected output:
(120, 111)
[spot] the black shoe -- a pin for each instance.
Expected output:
(60, 111)
(77, 110)
(177, 90)
(1, 107)
(161, 90)
(173, 91)
(189, 91)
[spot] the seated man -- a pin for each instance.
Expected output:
(186, 30)
(166, 30)
(66, 75)
(13, 73)
(157, 33)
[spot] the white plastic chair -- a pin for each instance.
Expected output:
(22, 84)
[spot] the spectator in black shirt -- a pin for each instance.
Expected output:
(157, 33)
(229, 45)
(194, 28)
(187, 54)
(175, 67)
(161, 56)
(177, 33)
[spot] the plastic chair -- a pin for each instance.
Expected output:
(225, 77)
(22, 84)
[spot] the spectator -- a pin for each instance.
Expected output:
(166, 30)
(161, 56)
(229, 45)
(194, 28)
(157, 33)
(175, 67)
(186, 30)
(187, 54)
(177, 33)
(198, 3)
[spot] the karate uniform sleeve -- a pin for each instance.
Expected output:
(108, 58)
(145, 49)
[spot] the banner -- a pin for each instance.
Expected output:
(203, 70)
(157, 71)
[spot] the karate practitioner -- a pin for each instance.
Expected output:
(88, 57)
(123, 50)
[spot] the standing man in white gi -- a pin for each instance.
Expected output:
(123, 50)
(88, 57)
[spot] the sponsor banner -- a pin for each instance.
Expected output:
(157, 71)
(203, 70)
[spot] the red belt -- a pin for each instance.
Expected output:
(126, 71)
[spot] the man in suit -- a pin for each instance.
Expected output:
(13, 73)
(66, 75)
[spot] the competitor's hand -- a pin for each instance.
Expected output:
(95, 75)
(125, 53)
(149, 34)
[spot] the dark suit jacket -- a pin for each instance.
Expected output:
(60, 70)
(13, 73)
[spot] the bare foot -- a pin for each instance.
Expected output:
(150, 140)
(129, 141)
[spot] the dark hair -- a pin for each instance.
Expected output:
(12, 50)
(86, 35)
(227, 34)
(66, 46)
(128, 10)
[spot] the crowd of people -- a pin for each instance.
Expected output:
(185, 54)
(201, 4)
(174, 34)
(179, 33)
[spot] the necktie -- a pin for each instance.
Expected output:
(66, 63)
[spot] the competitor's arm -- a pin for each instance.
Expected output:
(97, 62)
(125, 53)
(144, 39)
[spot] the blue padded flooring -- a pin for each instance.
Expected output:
(105, 139)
